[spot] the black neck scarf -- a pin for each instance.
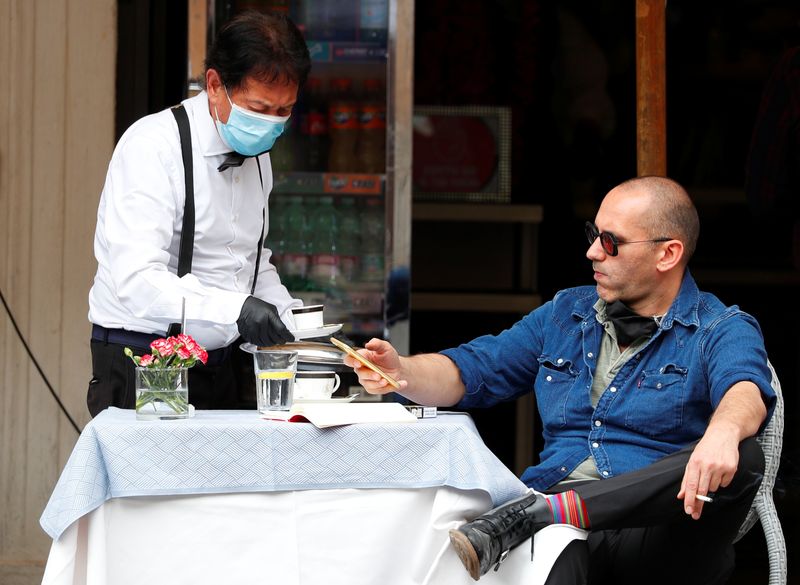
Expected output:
(628, 325)
(232, 159)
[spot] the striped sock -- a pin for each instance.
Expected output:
(568, 508)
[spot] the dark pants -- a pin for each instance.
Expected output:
(640, 533)
(224, 385)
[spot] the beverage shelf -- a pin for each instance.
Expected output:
(445, 272)
(480, 212)
(474, 302)
(346, 52)
(329, 183)
(744, 277)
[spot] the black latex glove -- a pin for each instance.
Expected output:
(260, 324)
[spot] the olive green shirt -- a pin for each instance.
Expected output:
(609, 361)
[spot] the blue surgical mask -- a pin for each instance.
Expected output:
(249, 133)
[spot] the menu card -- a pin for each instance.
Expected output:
(323, 415)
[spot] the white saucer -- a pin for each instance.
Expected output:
(328, 400)
(316, 332)
(248, 347)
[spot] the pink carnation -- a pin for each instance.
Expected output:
(195, 349)
(182, 346)
(163, 346)
(183, 352)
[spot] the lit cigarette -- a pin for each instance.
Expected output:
(703, 498)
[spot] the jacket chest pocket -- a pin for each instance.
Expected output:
(554, 382)
(654, 405)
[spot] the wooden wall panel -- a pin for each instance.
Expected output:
(46, 238)
(6, 44)
(16, 286)
(56, 137)
(86, 155)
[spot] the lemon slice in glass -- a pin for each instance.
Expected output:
(275, 375)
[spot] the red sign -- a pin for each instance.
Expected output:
(456, 154)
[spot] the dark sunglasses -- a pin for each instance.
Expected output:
(609, 241)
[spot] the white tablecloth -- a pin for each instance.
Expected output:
(330, 537)
(236, 451)
(248, 530)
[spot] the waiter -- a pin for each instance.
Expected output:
(220, 280)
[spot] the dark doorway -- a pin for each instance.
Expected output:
(151, 58)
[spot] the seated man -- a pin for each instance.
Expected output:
(649, 392)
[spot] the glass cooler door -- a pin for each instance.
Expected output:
(339, 212)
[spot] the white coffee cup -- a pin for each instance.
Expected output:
(309, 317)
(311, 385)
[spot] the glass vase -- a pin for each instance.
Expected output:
(162, 393)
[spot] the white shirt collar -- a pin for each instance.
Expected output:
(209, 140)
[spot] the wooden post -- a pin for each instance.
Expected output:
(651, 86)
(198, 38)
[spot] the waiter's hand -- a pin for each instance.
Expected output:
(260, 324)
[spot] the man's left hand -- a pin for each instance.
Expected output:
(716, 457)
(711, 466)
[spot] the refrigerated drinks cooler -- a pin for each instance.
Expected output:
(340, 209)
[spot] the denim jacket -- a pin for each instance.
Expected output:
(659, 401)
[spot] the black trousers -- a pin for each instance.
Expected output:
(228, 385)
(640, 533)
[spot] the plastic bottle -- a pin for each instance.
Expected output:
(325, 261)
(279, 6)
(330, 20)
(276, 234)
(314, 128)
(294, 263)
(373, 21)
(372, 241)
(282, 154)
(349, 239)
(371, 147)
(343, 127)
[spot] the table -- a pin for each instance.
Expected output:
(228, 497)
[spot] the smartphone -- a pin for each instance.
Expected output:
(351, 352)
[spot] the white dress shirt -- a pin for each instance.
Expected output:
(139, 223)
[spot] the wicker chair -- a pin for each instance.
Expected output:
(763, 509)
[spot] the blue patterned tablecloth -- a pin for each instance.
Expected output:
(236, 451)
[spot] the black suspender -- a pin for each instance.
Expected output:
(187, 230)
(263, 225)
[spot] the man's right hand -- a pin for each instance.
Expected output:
(260, 324)
(430, 379)
(383, 355)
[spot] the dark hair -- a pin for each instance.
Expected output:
(672, 214)
(265, 46)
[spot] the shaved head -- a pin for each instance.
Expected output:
(671, 213)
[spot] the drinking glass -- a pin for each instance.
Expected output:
(275, 372)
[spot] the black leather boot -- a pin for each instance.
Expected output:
(487, 540)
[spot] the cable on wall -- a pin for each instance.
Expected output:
(36, 364)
